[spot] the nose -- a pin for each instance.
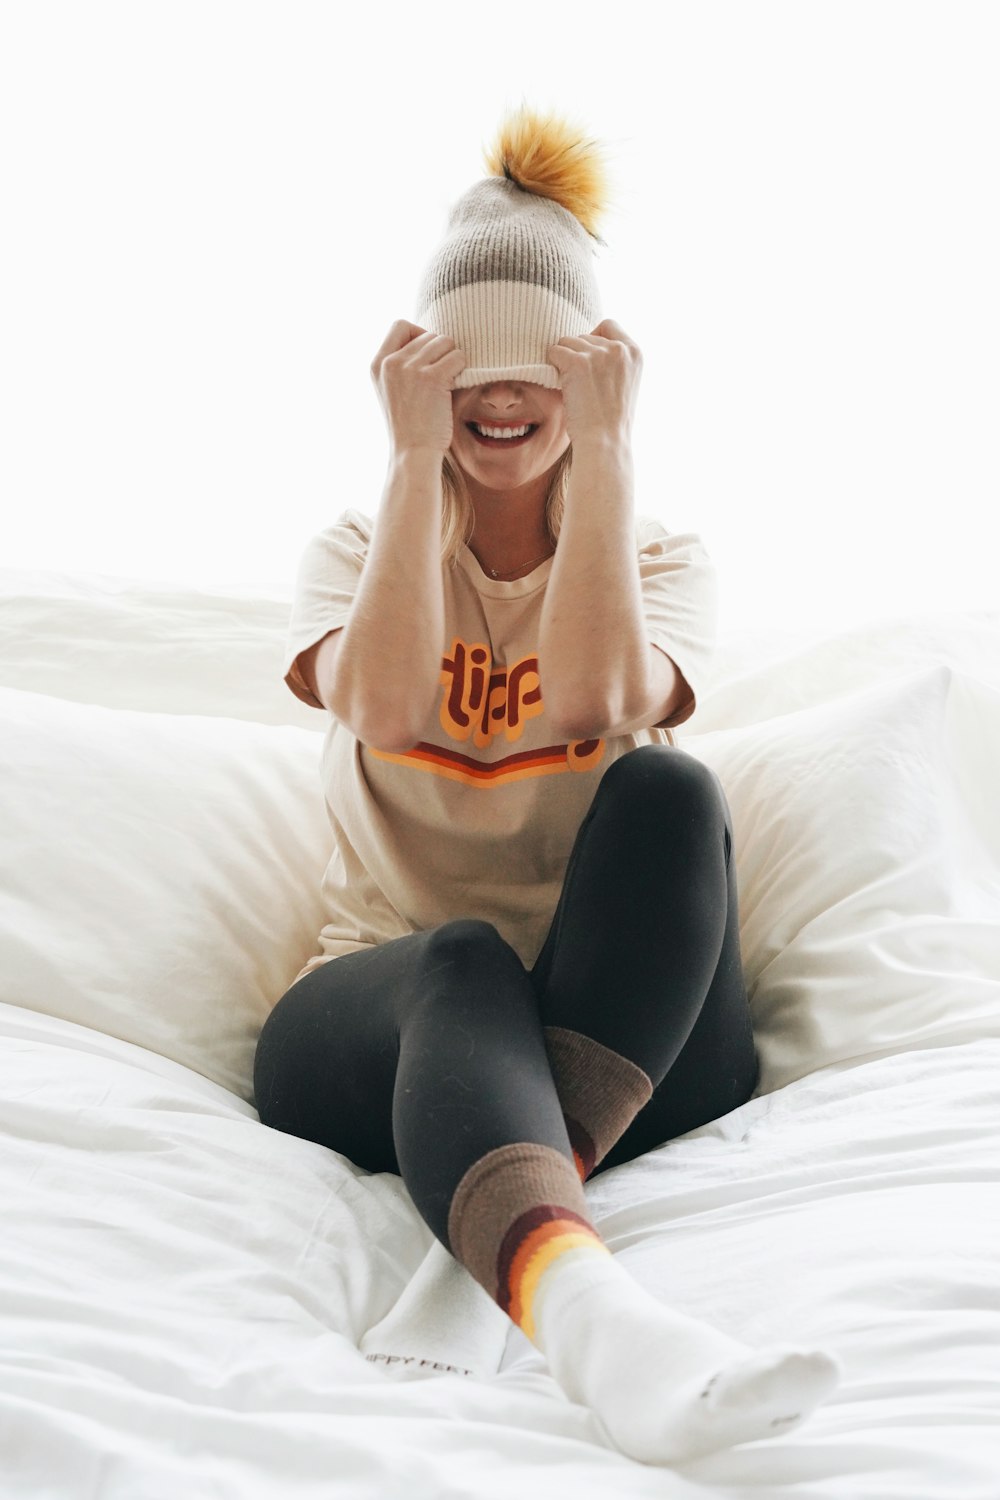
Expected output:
(502, 394)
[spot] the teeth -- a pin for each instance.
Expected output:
(502, 432)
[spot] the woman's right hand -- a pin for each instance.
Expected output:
(414, 372)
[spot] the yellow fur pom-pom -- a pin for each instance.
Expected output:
(545, 154)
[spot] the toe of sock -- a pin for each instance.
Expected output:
(769, 1393)
(766, 1395)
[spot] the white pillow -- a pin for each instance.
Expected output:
(161, 873)
(757, 675)
(867, 841)
(161, 648)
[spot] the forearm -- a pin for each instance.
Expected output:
(594, 652)
(389, 661)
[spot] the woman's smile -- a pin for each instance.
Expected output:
(489, 433)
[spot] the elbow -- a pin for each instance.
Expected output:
(387, 737)
(578, 728)
(380, 731)
(596, 716)
(580, 720)
(379, 734)
(388, 727)
(377, 728)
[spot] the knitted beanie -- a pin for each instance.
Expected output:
(515, 272)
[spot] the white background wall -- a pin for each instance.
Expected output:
(213, 212)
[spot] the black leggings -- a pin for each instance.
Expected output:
(422, 1054)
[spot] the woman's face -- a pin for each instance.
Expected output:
(506, 463)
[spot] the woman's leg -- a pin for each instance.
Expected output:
(429, 1053)
(640, 980)
(418, 1057)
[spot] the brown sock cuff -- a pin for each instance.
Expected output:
(600, 1091)
(498, 1189)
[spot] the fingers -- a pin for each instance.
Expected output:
(400, 334)
(609, 329)
(436, 354)
(434, 348)
(409, 342)
(451, 364)
(579, 342)
(583, 343)
(607, 332)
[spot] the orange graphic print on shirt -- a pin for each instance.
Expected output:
(479, 702)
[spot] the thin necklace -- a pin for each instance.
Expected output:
(495, 573)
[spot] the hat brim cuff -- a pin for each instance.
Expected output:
(546, 375)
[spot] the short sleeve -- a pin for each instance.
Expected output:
(327, 580)
(680, 605)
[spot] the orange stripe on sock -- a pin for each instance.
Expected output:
(536, 1242)
(536, 1253)
(541, 1263)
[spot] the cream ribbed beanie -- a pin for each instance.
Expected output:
(515, 272)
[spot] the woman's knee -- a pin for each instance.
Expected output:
(654, 779)
(462, 952)
(463, 940)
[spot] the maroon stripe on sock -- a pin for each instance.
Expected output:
(542, 1213)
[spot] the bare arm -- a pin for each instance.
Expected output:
(601, 674)
(378, 674)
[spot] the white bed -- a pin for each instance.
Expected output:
(187, 1298)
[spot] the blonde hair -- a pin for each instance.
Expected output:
(458, 517)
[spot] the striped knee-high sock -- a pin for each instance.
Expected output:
(666, 1386)
(516, 1212)
(600, 1092)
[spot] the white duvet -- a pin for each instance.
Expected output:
(188, 1299)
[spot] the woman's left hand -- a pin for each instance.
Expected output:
(600, 380)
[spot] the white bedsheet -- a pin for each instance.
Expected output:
(182, 1291)
(187, 1297)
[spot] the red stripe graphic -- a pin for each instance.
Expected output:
(580, 755)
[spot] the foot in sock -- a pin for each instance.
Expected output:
(666, 1387)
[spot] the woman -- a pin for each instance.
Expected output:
(532, 968)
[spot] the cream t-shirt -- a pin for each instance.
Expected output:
(478, 818)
